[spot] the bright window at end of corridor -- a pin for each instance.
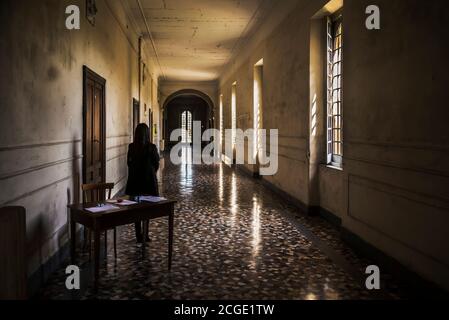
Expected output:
(186, 126)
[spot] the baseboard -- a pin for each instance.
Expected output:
(330, 217)
(40, 277)
(247, 171)
(286, 196)
(410, 281)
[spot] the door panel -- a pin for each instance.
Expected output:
(97, 135)
(88, 132)
(94, 140)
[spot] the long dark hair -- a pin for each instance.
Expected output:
(142, 136)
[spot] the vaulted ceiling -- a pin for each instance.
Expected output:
(192, 40)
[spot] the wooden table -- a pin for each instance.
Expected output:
(100, 222)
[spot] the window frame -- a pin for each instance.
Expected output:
(234, 114)
(188, 127)
(333, 158)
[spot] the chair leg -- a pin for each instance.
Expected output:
(115, 243)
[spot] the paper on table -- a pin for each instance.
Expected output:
(106, 207)
(152, 199)
(126, 203)
(123, 203)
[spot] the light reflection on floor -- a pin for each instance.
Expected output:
(232, 241)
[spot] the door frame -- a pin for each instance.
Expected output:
(90, 74)
(151, 124)
(135, 107)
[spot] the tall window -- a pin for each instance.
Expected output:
(221, 121)
(186, 126)
(234, 113)
(334, 90)
(257, 125)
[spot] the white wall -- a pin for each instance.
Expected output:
(41, 109)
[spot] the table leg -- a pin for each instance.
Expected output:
(144, 236)
(106, 243)
(96, 258)
(115, 243)
(170, 238)
(73, 240)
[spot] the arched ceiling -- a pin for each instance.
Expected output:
(190, 93)
(194, 39)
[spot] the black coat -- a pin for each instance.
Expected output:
(142, 168)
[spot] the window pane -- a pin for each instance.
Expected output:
(334, 84)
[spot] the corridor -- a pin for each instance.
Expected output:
(235, 239)
(326, 121)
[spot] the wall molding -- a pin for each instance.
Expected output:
(117, 146)
(278, 145)
(399, 145)
(119, 136)
(407, 190)
(117, 157)
(397, 166)
(38, 145)
(39, 167)
(30, 193)
(291, 158)
(291, 137)
(389, 236)
(288, 147)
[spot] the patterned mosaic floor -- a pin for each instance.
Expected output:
(234, 239)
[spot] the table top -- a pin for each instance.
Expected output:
(141, 205)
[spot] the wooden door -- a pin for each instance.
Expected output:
(136, 114)
(94, 139)
(150, 121)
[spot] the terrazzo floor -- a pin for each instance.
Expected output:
(234, 239)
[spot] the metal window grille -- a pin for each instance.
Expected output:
(334, 90)
(186, 125)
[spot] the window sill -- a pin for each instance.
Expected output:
(334, 167)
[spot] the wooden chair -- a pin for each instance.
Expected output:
(96, 193)
(13, 261)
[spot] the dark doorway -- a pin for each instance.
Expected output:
(193, 108)
(136, 114)
(94, 127)
(151, 125)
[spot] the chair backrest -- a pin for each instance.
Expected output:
(13, 262)
(96, 192)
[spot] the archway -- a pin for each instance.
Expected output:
(187, 101)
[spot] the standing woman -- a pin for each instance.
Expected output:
(143, 163)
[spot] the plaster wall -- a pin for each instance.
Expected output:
(41, 109)
(393, 189)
